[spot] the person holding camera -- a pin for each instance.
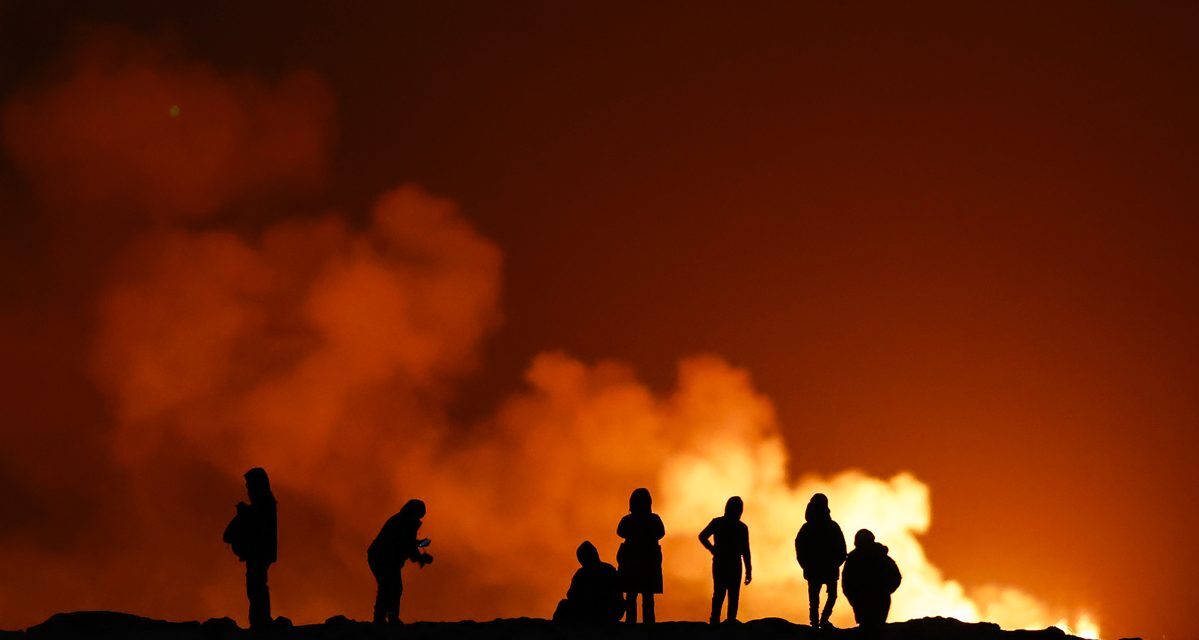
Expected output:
(396, 544)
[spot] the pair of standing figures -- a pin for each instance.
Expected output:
(253, 534)
(869, 578)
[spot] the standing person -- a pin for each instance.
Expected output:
(820, 550)
(395, 545)
(254, 535)
(731, 547)
(869, 579)
(639, 559)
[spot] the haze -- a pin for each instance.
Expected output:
(938, 261)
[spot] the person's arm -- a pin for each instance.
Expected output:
(705, 535)
(659, 528)
(798, 555)
(840, 545)
(273, 533)
(412, 548)
(575, 589)
(749, 565)
(849, 583)
(622, 530)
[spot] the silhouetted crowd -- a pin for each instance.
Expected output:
(599, 592)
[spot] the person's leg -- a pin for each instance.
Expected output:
(717, 603)
(734, 595)
(382, 597)
(396, 593)
(647, 608)
(384, 587)
(828, 603)
(730, 579)
(873, 615)
(813, 603)
(259, 594)
(630, 607)
(718, 589)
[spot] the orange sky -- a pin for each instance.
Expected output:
(947, 241)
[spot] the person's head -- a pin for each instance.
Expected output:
(640, 501)
(413, 509)
(863, 538)
(734, 508)
(587, 554)
(258, 486)
(817, 508)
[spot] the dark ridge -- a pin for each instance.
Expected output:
(106, 625)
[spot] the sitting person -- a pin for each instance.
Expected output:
(868, 580)
(594, 595)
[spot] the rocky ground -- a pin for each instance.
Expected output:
(103, 625)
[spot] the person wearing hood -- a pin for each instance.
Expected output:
(396, 544)
(820, 550)
(254, 535)
(639, 559)
(869, 579)
(594, 595)
(730, 549)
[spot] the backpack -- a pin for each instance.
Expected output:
(235, 535)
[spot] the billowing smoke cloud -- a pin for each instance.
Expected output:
(326, 350)
(557, 463)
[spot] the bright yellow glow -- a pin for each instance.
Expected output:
(896, 510)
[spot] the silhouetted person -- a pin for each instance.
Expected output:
(730, 548)
(396, 544)
(820, 550)
(639, 559)
(594, 595)
(254, 535)
(869, 579)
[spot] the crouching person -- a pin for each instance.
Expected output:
(594, 595)
(868, 580)
(396, 544)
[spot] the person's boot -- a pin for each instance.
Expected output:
(812, 619)
(825, 615)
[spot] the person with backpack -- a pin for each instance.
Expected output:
(639, 558)
(820, 551)
(396, 544)
(594, 595)
(730, 549)
(253, 534)
(869, 578)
